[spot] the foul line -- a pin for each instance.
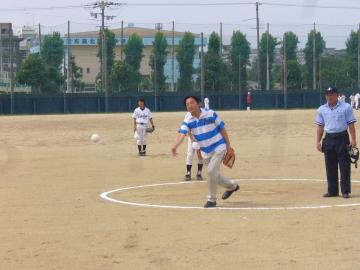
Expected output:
(105, 196)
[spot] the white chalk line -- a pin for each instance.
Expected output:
(105, 196)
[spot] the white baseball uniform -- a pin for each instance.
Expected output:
(191, 153)
(142, 118)
(352, 101)
(357, 99)
(206, 103)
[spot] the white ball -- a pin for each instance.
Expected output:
(95, 137)
(195, 145)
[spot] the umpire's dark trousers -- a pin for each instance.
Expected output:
(334, 146)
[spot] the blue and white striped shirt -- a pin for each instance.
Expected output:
(335, 119)
(206, 131)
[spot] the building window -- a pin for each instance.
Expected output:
(88, 70)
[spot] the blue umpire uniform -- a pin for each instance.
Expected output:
(335, 121)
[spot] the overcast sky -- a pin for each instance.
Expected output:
(197, 19)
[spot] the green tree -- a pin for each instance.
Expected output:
(76, 75)
(335, 71)
(33, 73)
(158, 61)
(319, 48)
(123, 78)
(352, 54)
(133, 55)
(52, 52)
(215, 75)
(240, 46)
(294, 78)
(185, 56)
(263, 55)
(110, 51)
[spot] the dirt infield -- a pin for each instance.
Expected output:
(52, 216)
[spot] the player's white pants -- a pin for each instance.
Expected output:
(357, 104)
(207, 107)
(141, 134)
(352, 104)
(191, 153)
(213, 170)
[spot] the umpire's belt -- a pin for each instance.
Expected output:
(336, 135)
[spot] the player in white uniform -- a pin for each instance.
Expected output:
(206, 103)
(357, 99)
(352, 100)
(342, 98)
(142, 116)
(191, 150)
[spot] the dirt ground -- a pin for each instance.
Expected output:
(52, 216)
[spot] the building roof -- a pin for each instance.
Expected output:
(142, 32)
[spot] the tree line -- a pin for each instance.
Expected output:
(227, 70)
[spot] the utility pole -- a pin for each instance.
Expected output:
(285, 71)
(68, 71)
(267, 60)
(314, 58)
(202, 78)
(39, 38)
(221, 39)
(173, 58)
(1, 56)
(11, 43)
(122, 41)
(258, 41)
(358, 58)
(240, 88)
(103, 5)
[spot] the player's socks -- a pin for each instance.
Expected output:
(139, 147)
(188, 169)
(200, 166)
(144, 147)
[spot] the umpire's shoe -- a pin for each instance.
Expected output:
(228, 193)
(328, 195)
(209, 204)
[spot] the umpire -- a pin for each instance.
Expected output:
(336, 118)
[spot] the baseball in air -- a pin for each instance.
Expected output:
(95, 137)
(195, 145)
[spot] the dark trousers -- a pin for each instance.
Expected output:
(336, 155)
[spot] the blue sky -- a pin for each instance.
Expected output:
(335, 24)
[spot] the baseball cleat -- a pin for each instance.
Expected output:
(187, 177)
(228, 193)
(209, 204)
(199, 177)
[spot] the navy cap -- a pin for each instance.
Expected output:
(331, 90)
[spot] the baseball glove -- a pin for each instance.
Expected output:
(229, 158)
(354, 155)
(150, 130)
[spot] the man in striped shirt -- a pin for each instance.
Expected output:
(209, 131)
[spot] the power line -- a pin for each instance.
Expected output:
(40, 8)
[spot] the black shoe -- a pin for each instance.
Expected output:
(328, 195)
(199, 177)
(346, 196)
(228, 193)
(187, 177)
(209, 204)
